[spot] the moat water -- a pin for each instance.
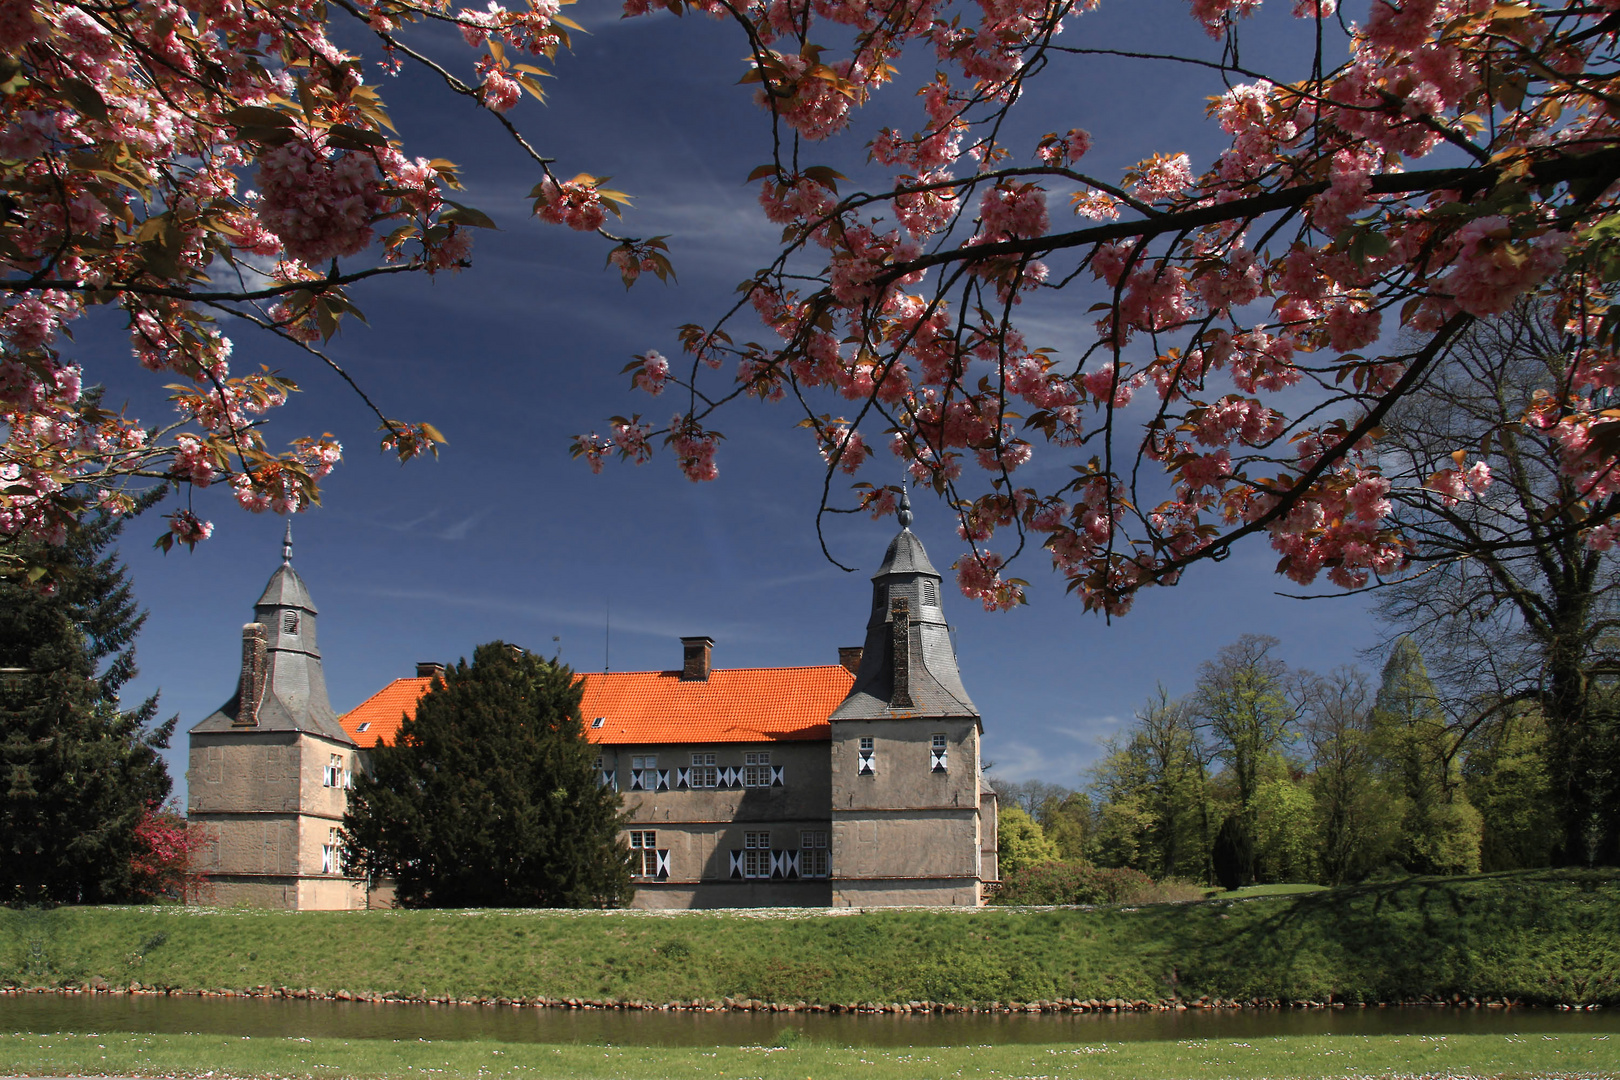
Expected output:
(360, 1020)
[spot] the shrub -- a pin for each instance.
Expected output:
(1077, 883)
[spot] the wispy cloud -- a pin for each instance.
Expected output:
(424, 525)
(1049, 759)
(1016, 760)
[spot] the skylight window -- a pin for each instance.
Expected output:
(366, 726)
(599, 721)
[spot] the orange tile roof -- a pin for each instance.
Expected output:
(736, 705)
(379, 716)
(651, 707)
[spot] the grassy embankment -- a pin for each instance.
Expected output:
(1454, 1057)
(1537, 937)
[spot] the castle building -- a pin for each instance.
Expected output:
(269, 771)
(849, 784)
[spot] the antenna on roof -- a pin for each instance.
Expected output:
(286, 545)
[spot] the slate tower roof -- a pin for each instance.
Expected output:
(908, 667)
(282, 686)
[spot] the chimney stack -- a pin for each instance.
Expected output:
(850, 657)
(695, 658)
(900, 690)
(427, 669)
(255, 670)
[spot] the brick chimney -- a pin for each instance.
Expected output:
(695, 658)
(255, 671)
(426, 669)
(900, 688)
(850, 657)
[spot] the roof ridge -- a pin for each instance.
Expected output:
(721, 671)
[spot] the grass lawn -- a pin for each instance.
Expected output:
(1541, 937)
(1216, 1059)
(1260, 890)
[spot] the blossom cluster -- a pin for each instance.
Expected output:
(173, 159)
(1238, 299)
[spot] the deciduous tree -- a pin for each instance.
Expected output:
(1158, 768)
(1507, 601)
(1067, 822)
(1020, 841)
(1505, 776)
(1243, 704)
(1419, 755)
(489, 796)
(1352, 822)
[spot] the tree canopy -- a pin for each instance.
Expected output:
(1413, 167)
(489, 796)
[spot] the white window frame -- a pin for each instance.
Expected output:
(756, 854)
(867, 762)
(704, 772)
(330, 863)
(335, 775)
(644, 853)
(938, 751)
(757, 769)
(644, 772)
(815, 856)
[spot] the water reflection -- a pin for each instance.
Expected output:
(362, 1020)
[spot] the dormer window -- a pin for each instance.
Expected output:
(289, 622)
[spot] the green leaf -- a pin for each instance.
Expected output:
(466, 215)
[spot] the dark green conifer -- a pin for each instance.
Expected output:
(489, 797)
(77, 772)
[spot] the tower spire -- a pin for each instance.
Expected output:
(286, 545)
(904, 513)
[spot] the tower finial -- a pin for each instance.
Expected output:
(904, 513)
(286, 545)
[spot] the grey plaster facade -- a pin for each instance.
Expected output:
(896, 790)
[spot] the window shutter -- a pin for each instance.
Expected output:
(778, 864)
(683, 778)
(776, 775)
(938, 758)
(663, 864)
(636, 780)
(736, 864)
(792, 864)
(663, 780)
(609, 779)
(348, 779)
(728, 777)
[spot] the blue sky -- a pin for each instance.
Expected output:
(505, 537)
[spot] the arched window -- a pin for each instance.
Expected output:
(289, 622)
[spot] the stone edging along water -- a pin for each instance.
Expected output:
(1054, 1005)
